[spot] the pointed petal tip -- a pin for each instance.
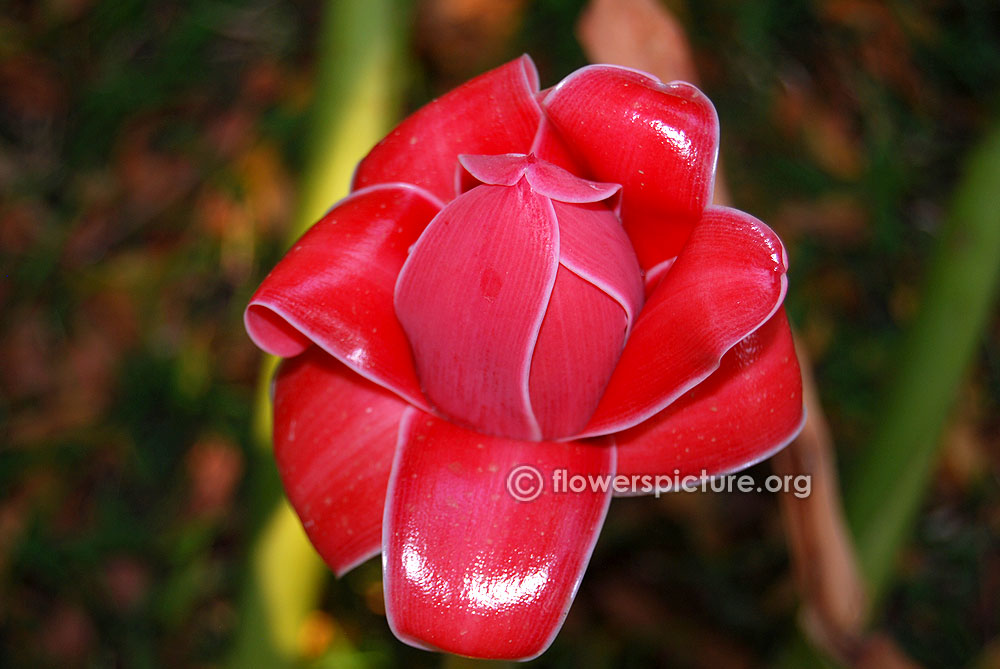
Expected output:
(530, 72)
(495, 112)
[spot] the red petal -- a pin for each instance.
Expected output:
(728, 281)
(334, 287)
(494, 113)
(579, 343)
(659, 141)
(502, 170)
(469, 569)
(549, 146)
(593, 245)
(471, 298)
(746, 411)
(655, 274)
(334, 437)
(544, 178)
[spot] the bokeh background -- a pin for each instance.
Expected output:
(157, 157)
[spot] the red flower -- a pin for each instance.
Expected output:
(523, 290)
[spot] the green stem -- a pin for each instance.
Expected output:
(356, 102)
(892, 475)
(890, 479)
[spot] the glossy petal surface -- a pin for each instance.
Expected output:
(469, 569)
(659, 141)
(727, 283)
(743, 413)
(335, 286)
(471, 298)
(494, 113)
(334, 438)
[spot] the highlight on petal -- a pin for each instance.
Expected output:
(659, 141)
(746, 411)
(334, 438)
(470, 569)
(334, 287)
(727, 283)
(471, 299)
(494, 113)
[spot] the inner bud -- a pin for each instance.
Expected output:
(518, 297)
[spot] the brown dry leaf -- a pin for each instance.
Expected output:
(840, 219)
(26, 354)
(117, 312)
(643, 35)
(21, 222)
(151, 178)
(268, 187)
(127, 582)
(92, 234)
(881, 652)
(30, 87)
(214, 467)
(231, 222)
(218, 213)
(263, 82)
(965, 458)
(68, 636)
(801, 111)
(640, 34)
(462, 37)
(884, 48)
(375, 597)
(834, 144)
(231, 132)
(317, 632)
(823, 556)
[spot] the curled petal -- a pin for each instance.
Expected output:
(334, 287)
(471, 298)
(467, 567)
(727, 283)
(334, 438)
(750, 408)
(494, 113)
(659, 141)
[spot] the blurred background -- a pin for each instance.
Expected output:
(156, 158)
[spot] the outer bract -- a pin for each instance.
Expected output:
(522, 288)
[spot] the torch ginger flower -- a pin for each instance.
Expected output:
(521, 283)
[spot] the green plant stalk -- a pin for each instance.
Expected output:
(356, 102)
(890, 480)
(891, 477)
